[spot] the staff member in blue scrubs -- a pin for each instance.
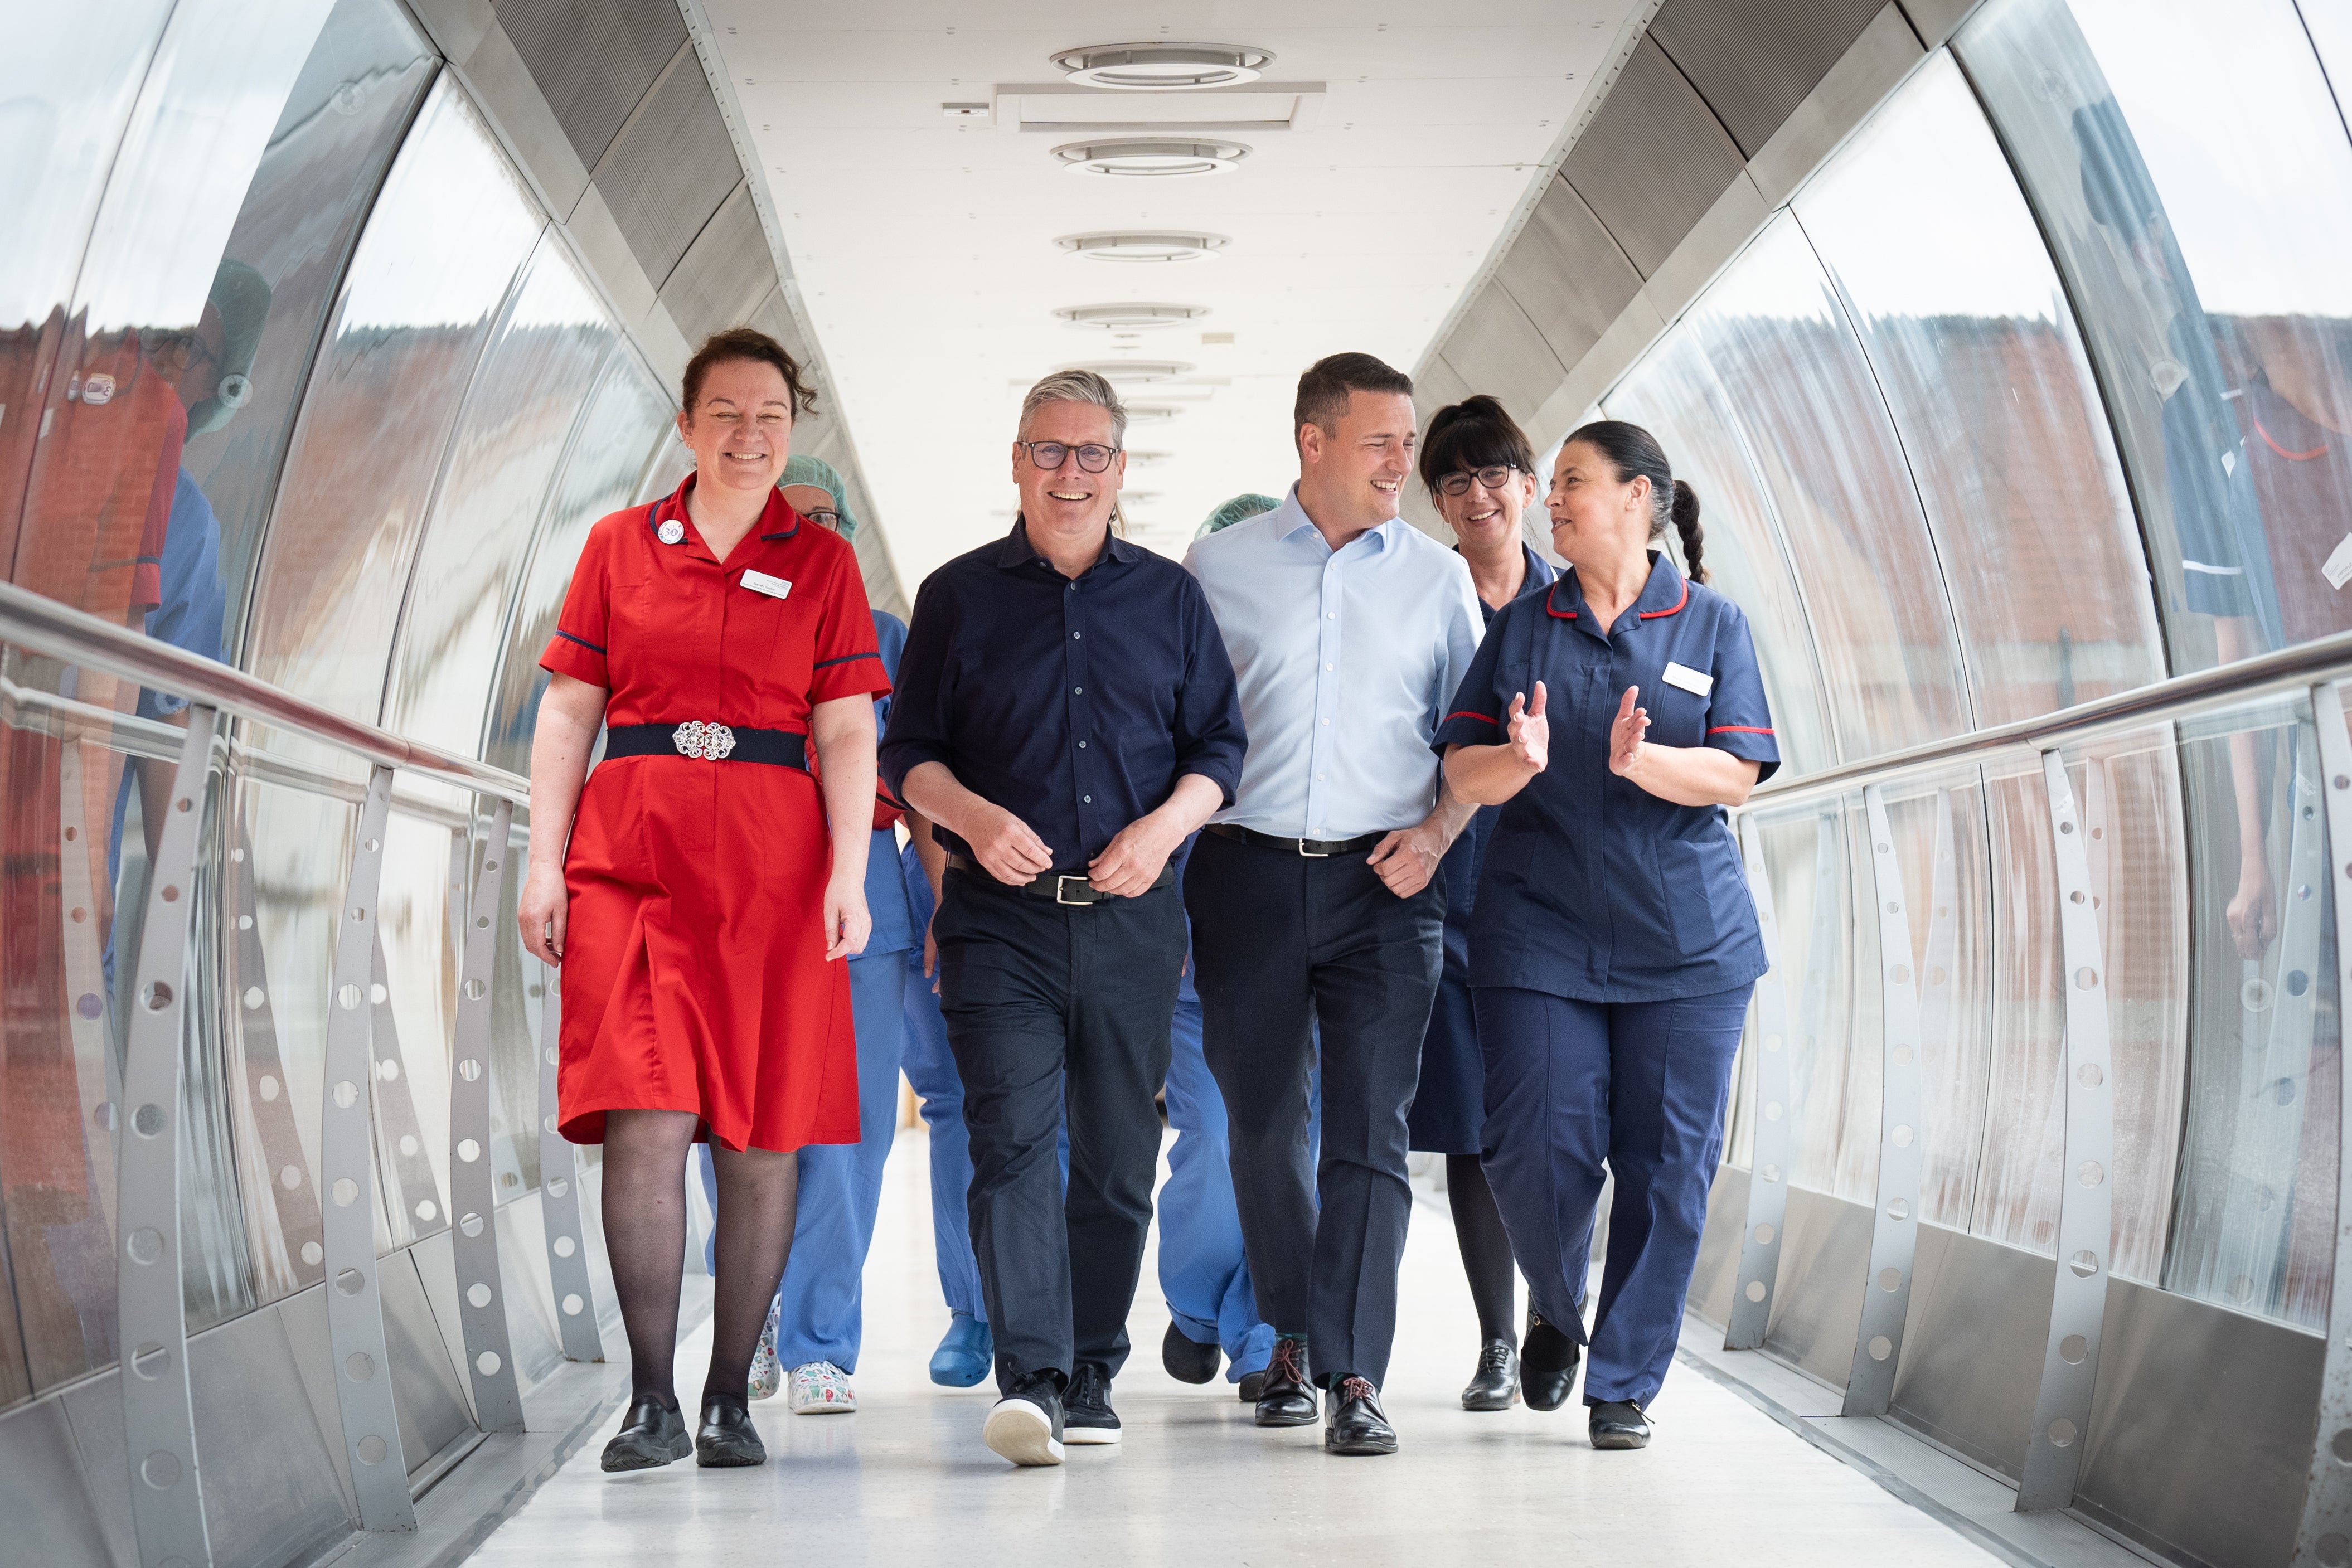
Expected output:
(1480, 471)
(1615, 943)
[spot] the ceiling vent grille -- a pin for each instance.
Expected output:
(1163, 66)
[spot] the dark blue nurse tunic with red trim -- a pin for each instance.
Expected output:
(694, 969)
(1611, 954)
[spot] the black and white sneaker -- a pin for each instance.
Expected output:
(1026, 1426)
(1086, 1415)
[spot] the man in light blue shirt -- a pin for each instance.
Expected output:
(1314, 897)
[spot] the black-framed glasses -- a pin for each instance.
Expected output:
(825, 517)
(1092, 457)
(1458, 482)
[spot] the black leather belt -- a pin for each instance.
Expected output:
(708, 742)
(1069, 889)
(1312, 849)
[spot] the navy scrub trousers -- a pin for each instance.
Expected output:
(1612, 950)
(1642, 1086)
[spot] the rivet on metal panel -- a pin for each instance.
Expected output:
(1878, 1337)
(498, 1399)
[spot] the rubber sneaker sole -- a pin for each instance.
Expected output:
(1021, 1432)
(1087, 1437)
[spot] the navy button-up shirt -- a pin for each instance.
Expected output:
(1595, 889)
(1074, 703)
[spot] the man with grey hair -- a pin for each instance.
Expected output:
(1065, 716)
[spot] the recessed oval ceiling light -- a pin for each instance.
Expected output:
(1154, 246)
(1163, 66)
(1131, 318)
(1131, 371)
(1152, 157)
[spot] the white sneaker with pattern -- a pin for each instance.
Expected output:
(766, 1374)
(820, 1389)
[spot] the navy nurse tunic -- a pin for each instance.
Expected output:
(1449, 1102)
(1595, 889)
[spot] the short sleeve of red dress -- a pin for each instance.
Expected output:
(694, 974)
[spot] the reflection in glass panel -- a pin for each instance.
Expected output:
(2256, 1207)
(426, 284)
(1921, 224)
(2195, 184)
(518, 414)
(1795, 382)
(1804, 852)
(1674, 394)
(68, 79)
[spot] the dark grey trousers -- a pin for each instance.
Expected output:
(1280, 941)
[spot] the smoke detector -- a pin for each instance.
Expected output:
(1152, 157)
(1146, 247)
(1163, 66)
(1131, 318)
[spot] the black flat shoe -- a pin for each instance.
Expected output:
(1283, 1399)
(1357, 1425)
(1548, 1358)
(1187, 1360)
(1497, 1384)
(727, 1439)
(1252, 1387)
(652, 1435)
(1619, 1424)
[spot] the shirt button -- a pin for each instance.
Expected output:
(1077, 691)
(1075, 635)
(1318, 778)
(1326, 724)
(1330, 615)
(1089, 799)
(1082, 746)
(1329, 666)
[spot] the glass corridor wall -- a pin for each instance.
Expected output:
(2039, 391)
(295, 374)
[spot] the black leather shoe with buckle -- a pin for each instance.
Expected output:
(652, 1433)
(1357, 1425)
(1618, 1424)
(1284, 1400)
(727, 1439)
(1548, 1358)
(1497, 1384)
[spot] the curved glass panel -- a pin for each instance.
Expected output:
(1796, 385)
(1920, 223)
(426, 285)
(1804, 852)
(1674, 394)
(2195, 184)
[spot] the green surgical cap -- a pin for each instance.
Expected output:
(816, 471)
(1240, 509)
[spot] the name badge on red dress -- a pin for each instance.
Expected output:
(760, 583)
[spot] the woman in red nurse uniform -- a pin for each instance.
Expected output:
(725, 646)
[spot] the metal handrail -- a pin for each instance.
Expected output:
(59, 631)
(2177, 697)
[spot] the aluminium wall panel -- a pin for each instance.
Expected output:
(1568, 274)
(1653, 159)
(1754, 61)
(1497, 349)
(668, 168)
(593, 59)
(725, 273)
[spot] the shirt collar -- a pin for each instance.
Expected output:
(778, 521)
(1016, 550)
(1286, 519)
(1665, 593)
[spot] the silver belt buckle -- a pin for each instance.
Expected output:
(1306, 854)
(702, 740)
(1060, 881)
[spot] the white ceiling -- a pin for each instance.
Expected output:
(924, 246)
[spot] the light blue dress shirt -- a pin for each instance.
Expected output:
(1345, 660)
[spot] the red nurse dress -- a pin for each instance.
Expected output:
(694, 974)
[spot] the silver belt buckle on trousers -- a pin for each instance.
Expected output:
(1306, 854)
(1084, 886)
(701, 740)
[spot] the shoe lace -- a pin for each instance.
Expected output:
(1086, 1387)
(1357, 1388)
(1284, 1366)
(1495, 1357)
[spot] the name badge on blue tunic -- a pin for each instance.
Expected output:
(1696, 683)
(760, 583)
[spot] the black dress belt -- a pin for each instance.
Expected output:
(1312, 849)
(708, 742)
(1057, 885)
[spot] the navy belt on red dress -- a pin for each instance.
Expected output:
(704, 741)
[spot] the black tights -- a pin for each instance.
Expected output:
(644, 1233)
(1486, 1250)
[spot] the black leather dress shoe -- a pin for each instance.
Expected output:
(1286, 1400)
(1617, 1423)
(1252, 1387)
(1357, 1425)
(1548, 1358)
(1497, 1384)
(652, 1433)
(1187, 1361)
(727, 1439)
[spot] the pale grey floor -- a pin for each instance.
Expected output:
(905, 1481)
